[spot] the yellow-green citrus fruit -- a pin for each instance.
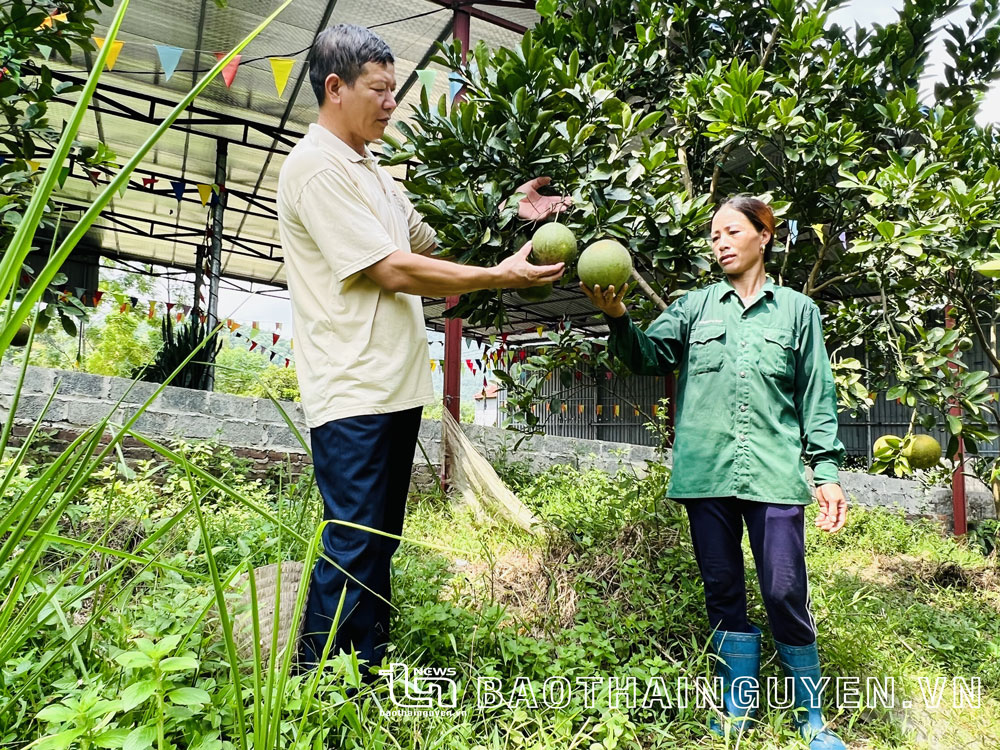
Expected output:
(21, 337)
(553, 243)
(605, 263)
(990, 268)
(885, 441)
(964, 345)
(535, 293)
(922, 451)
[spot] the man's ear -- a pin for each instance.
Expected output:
(333, 86)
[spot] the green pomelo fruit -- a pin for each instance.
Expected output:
(922, 451)
(605, 263)
(553, 243)
(21, 337)
(535, 293)
(990, 268)
(886, 441)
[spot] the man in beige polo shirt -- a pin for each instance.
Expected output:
(357, 263)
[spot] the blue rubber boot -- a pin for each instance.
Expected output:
(799, 663)
(739, 663)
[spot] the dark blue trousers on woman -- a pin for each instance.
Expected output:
(363, 467)
(777, 539)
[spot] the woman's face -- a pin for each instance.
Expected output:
(736, 243)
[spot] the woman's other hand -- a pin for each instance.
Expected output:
(832, 507)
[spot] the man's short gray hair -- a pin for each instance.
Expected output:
(344, 49)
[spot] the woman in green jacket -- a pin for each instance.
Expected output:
(755, 396)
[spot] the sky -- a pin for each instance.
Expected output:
(249, 307)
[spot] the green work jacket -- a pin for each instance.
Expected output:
(755, 392)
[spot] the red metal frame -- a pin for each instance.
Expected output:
(958, 501)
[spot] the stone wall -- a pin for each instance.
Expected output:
(257, 431)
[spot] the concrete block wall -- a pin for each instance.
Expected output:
(256, 430)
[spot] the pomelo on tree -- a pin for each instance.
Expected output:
(21, 337)
(605, 263)
(990, 268)
(535, 293)
(922, 451)
(885, 441)
(553, 243)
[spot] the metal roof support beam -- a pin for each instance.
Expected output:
(215, 254)
(469, 9)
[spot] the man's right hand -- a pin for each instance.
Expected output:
(515, 272)
(607, 300)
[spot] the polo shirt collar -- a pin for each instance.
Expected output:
(333, 142)
(725, 288)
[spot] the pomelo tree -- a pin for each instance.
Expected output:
(648, 113)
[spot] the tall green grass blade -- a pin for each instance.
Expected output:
(20, 244)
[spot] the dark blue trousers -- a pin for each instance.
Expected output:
(777, 539)
(363, 467)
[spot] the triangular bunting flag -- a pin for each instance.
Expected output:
(433, 365)
(116, 48)
(178, 188)
(148, 182)
(45, 50)
(204, 192)
(122, 190)
(272, 356)
(426, 78)
(60, 17)
(97, 297)
(618, 409)
(454, 86)
(169, 57)
(793, 231)
(63, 174)
(281, 67)
(275, 337)
(34, 166)
(170, 306)
(94, 176)
(134, 301)
(600, 409)
(287, 362)
(229, 72)
(253, 345)
(152, 309)
(579, 408)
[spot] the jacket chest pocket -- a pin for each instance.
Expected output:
(706, 349)
(777, 353)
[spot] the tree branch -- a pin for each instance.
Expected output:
(644, 285)
(835, 280)
(685, 171)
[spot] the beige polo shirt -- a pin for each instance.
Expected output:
(358, 348)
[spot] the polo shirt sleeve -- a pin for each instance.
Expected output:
(422, 237)
(341, 223)
(657, 351)
(816, 400)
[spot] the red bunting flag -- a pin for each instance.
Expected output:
(229, 72)
(253, 345)
(287, 362)
(94, 175)
(170, 306)
(275, 337)
(148, 182)
(469, 364)
(97, 297)
(202, 317)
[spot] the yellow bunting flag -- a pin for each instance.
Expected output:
(656, 408)
(548, 376)
(579, 408)
(60, 17)
(600, 409)
(116, 48)
(618, 409)
(152, 309)
(434, 365)
(564, 408)
(34, 165)
(636, 411)
(204, 192)
(540, 331)
(281, 68)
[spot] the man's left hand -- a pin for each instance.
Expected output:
(832, 507)
(537, 207)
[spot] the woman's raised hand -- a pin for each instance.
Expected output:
(609, 301)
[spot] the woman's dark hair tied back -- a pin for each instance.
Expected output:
(758, 213)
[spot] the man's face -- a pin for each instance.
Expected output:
(367, 106)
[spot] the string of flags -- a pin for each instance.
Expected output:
(181, 312)
(169, 57)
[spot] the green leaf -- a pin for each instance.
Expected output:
(954, 425)
(189, 696)
(178, 663)
(134, 660)
(59, 741)
(113, 738)
(545, 8)
(57, 714)
(137, 693)
(140, 739)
